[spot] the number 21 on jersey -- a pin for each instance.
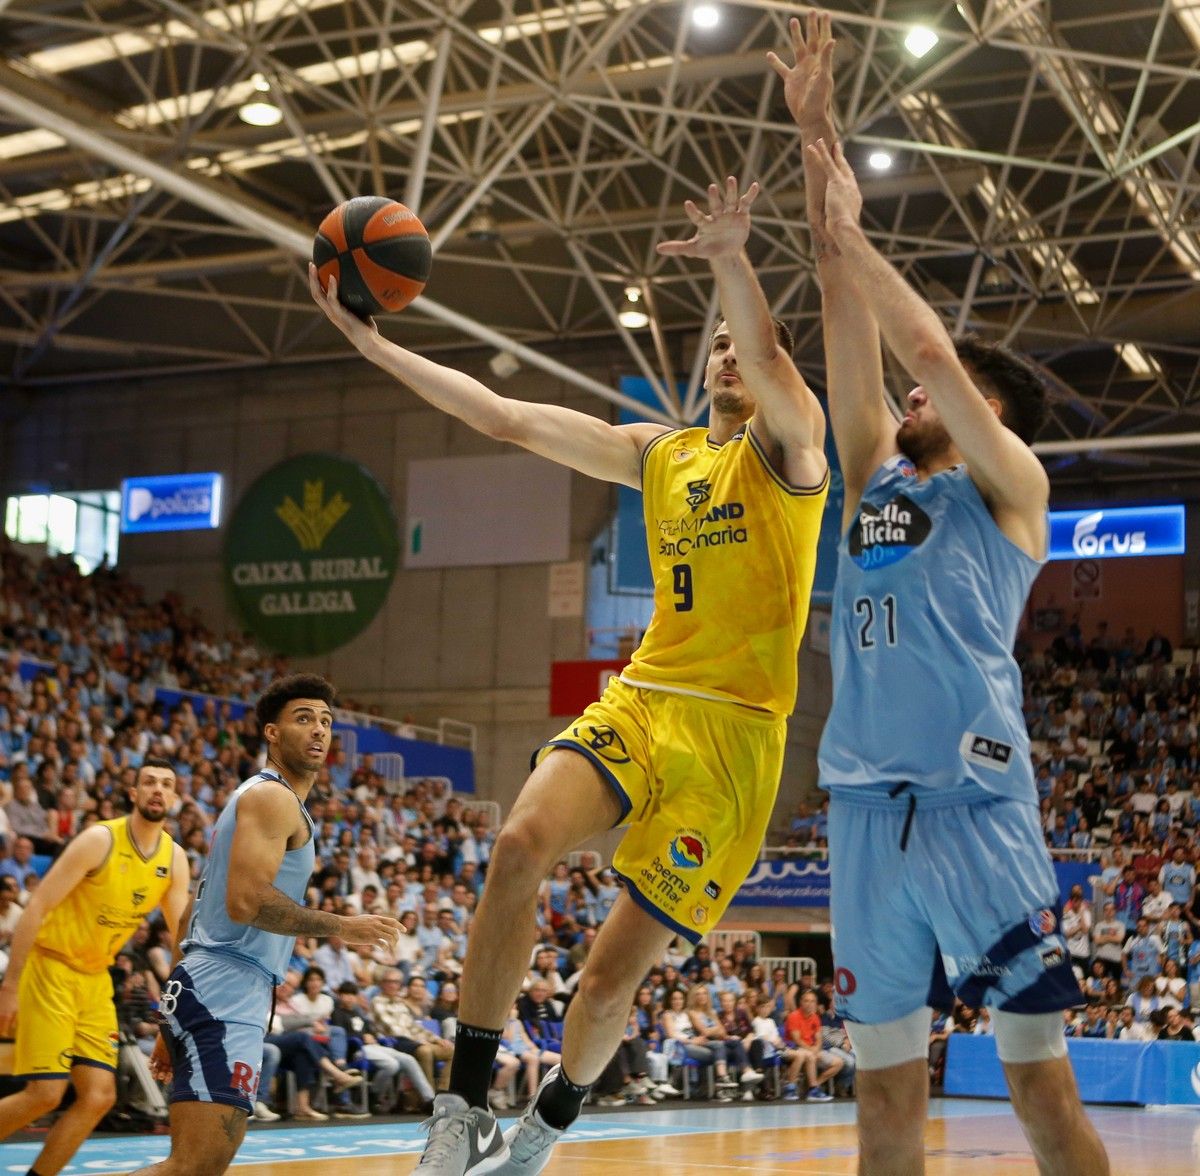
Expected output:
(867, 612)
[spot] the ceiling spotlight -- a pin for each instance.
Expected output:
(482, 225)
(920, 40)
(260, 111)
(504, 364)
(880, 160)
(706, 16)
(633, 320)
(633, 293)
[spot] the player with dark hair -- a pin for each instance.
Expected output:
(57, 986)
(686, 745)
(243, 921)
(942, 886)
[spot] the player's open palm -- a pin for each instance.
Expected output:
(808, 84)
(373, 930)
(722, 230)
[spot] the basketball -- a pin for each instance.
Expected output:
(377, 250)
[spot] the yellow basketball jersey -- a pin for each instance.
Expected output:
(732, 551)
(87, 929)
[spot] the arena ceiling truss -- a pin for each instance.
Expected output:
(1042, 187)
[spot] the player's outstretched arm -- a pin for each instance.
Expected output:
(576, 439)
(82, 855)
(1004, 468)
(789, 420)
(266, 818)
(177, 903)
(864, 428)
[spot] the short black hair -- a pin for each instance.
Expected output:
(1014, 379)
(783, 336)
(284, 690)
(153, 761)
(348, 987)
(312, 970)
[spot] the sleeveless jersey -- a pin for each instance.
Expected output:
(212, 929)
(928, 596)
(88, 928)
(732, 552)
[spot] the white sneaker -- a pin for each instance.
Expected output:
(532, 1139)
(263, 1113)
(750, 1077)
(667, 1090)
(462, 1139)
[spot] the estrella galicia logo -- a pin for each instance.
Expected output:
(688, 849)
(885, 535)
(699, 493)
(604, 741)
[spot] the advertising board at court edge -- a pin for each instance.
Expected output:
(1117, 532)
(311, 553)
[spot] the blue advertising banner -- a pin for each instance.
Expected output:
(1116, 532)
(171, 502)
(804, 882)
(1152, 1073)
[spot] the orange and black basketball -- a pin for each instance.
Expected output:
(377, 250)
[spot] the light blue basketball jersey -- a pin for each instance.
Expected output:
(928, 596)
(212, 929)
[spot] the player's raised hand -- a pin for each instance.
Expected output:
(160, 1060)
(843, 200)
(720, 232)
(375, 930)
(808, 83)
(358, 331)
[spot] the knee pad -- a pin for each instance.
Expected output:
(876, 1047)
(1028, 1037)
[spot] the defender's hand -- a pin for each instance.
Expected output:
(843, 200)
(808, 83)
(720, 232)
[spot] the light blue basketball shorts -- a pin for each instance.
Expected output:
(214, 1015)
(936, 896)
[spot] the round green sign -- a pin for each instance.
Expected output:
(311, 553)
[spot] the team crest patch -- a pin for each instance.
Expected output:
(699, 914)
(139, 897)
(699, 492)
(1043, 922)
(604, 741)
(689, 849)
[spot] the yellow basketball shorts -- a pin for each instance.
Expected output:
(64, 1018)
(697, 782)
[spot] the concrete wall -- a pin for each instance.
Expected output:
(473, 644)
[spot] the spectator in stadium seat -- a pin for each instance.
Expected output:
(336, 960)
(536, 1006)
(1143, 953)
(395, 1017)
(1156, 902)
(1172, 986)
(803, 1029)
(1177, 1028)
(1178, 876)
(1108, 939)
(1127, 898)
(725, 980)
(1144, 1000)
(1077, 928)
(19, 864)
(28, 819)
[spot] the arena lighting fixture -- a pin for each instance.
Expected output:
(260, 111)
(880, 160)
(631, 317)
(920, 40)
(706, 16)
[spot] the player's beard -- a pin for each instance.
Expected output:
(729, 400)
(920, 443)
(148, 814)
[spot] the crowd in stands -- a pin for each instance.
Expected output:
(1116, 729)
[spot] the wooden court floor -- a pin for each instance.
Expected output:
(964, 1136)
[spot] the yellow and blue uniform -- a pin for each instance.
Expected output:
(691, 735)
(67, 1016)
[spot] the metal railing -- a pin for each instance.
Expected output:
(794, 967)
(725, 941)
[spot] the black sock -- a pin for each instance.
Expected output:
(471, 1066)
(560, 1103)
